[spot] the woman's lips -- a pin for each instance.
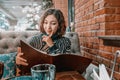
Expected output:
(49, 31)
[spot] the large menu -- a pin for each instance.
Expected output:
(63, 62)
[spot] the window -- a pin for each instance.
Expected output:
(4, 24)
(70, 15)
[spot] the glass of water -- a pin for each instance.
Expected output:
(43, 72)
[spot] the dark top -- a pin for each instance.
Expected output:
(61, 44)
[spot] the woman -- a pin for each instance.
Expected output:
(51, 39)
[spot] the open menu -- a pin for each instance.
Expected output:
(63, 62)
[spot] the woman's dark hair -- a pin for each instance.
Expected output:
(60, 18)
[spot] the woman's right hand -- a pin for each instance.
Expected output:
(19, 59)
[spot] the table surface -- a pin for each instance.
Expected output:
(69, 75)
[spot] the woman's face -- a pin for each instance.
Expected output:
(50, 24)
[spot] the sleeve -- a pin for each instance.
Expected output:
(61, 46)
(36, 42)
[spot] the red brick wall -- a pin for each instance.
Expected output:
(63, 6)
(112, 9)
(95, 18)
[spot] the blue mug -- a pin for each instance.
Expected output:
(43, 72)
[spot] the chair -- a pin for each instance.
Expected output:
(75, 47)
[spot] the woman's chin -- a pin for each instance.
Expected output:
(48, 33)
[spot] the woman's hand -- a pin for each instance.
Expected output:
(48, 40)
(19, 59)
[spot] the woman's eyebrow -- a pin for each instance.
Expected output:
(45, 20)
(53, 21)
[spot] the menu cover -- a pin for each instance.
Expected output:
(63, 62)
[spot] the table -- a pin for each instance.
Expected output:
(68, 75)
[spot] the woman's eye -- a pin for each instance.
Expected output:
(45, 22)
(53, 23)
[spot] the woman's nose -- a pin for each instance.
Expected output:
(48, 25)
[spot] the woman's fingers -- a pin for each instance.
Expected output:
(20, 54)
(50, 35)
(47, 38)
(22, 59)
(19, 50)
(23, 63)
(19, 59)
(44, 38)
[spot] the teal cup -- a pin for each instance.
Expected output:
(43, 72)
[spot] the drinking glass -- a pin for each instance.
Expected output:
(43, 72)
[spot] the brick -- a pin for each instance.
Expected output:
(117, 32)
(108, 48)
(112, 3)
(92, 21)
(85, 44)
(112, 26)
(100, 12)
(90, 45)
(79, 24)
(96, 6)
(117, 17)
(106, 62)
(101, 47)
(89, 34)
(105, 55)
(110, 32)
(117, 76)
(109, 10)
(118, 59)
(96, 40)
(86, 49)
(117, 11)
(77, 11)
(95, 1)
(95, 27)
(100, 19)
(77, 2)
(95, 46)
(101, 33)
(93, 51)
(110, 18)
(115, 49)
(85, 24)
(102, 26)
(93, 33)
(117, 67)
(86, 11)
(91, 2)
(91, 8)
(100, 42)
(102, 4)
(91, 15)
